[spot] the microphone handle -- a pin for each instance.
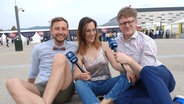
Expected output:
(115, 50)
(80, 67)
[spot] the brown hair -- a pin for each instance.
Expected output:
(56, 19)
(81, 34)
(127, 12)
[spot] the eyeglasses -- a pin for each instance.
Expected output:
(128, 22)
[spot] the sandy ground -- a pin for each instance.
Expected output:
(16, 64)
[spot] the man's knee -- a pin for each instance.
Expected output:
(12, 83)
(60, 58)
(148, 70)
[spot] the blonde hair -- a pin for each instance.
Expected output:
(127, 12)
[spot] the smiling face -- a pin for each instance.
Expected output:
(127, 26)
(87, 35)
(127, 21)
(59, 30)
(90, 32)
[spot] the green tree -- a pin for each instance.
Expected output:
(13, 28)
(1, 29)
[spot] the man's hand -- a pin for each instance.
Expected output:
(130, 74)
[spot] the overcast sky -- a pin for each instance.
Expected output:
(40, 12)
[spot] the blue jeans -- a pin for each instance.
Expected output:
(110, 88)
(154, 87)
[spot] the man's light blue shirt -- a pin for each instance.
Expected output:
(42, 59)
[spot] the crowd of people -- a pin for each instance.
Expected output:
(143, 79)
(159, 34)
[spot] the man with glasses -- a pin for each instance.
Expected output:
(139, 52)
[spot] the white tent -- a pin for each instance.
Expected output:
(36, 38)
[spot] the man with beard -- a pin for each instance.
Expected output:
(49, 63)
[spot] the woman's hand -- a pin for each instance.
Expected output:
(130, 74)
(85, 76)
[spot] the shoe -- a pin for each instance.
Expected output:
(179, 99)
(100, 98)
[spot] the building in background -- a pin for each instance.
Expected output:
(153, 18)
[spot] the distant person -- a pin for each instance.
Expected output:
(7, 41)
(114, 34)
(157, 34)
(147, 33)
(12, 40)
(139, 52)
(167, 33)
(49, 63)
(151, 33)
(160, 33)
(27, 40)
(95, 57)
(1, 40)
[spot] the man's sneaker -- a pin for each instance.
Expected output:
(179, 99)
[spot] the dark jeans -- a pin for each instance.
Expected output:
(154, 87)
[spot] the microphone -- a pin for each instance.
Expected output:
(113, 45)
(74, 60)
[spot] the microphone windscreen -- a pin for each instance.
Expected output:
(112, 43)
(71, 56)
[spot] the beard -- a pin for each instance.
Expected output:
(58, 40)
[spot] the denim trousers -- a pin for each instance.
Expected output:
(154, 87)
(110, 88)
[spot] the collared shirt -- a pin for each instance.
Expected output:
(42, 59)
(140, 47)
